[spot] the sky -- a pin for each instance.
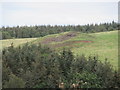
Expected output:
(57, 13)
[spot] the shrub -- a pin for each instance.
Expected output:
(14, 82)
(87, 80)
(39, 66)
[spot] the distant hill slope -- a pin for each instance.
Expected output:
(103, 44)
(16, 42)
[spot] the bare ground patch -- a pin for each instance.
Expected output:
(70, 43)
(59, 38)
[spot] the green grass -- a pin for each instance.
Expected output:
(16, 42)
(105, 44)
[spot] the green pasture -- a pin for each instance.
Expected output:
(16, 42)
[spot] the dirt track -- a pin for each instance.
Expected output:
(59, 38)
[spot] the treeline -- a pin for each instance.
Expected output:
(39, 31)
(36, 66)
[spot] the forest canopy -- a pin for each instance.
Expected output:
(42, 30)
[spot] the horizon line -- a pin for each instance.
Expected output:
(57, 24)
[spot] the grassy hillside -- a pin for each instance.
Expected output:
(16, 42)
(103, 44)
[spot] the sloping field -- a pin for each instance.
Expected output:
(103, 44)
(16, 42)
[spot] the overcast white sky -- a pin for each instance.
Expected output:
(60, 13)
